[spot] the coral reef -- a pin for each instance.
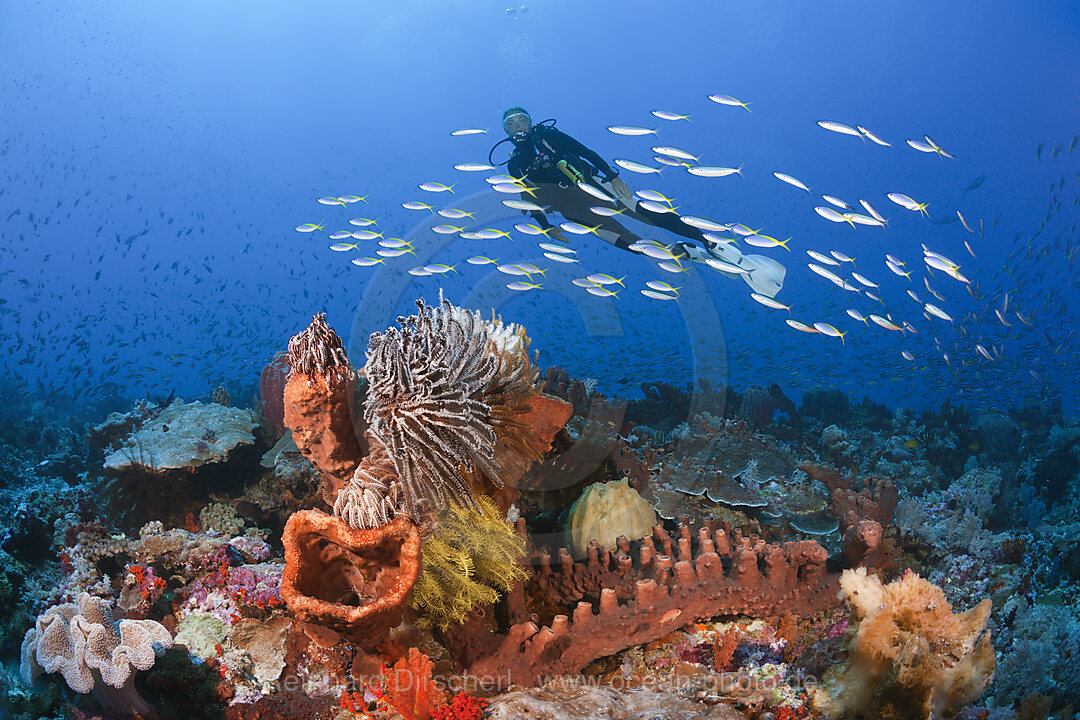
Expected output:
(318, 583)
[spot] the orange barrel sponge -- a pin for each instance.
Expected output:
(319, 397)
(353, 581)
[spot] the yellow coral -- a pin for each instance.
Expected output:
(471, 557)
(911, 656)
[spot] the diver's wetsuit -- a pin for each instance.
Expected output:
(536, 159)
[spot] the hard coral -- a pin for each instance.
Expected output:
(910, 656)
(354, 581)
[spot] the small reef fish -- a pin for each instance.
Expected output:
(725, 266)
(764, 241)
(670, 161)
(655, 207)
(521, 286)
(860, 279)
(656, 295)
(416, 205)
(468, 131)
(704, 224)
(714, 171)
(654, 196)
(790, 180)
(522, 205)
(837, 202)
(631, 130)
(668, 115)
(447, 229)
(873, 138)
(937, 312)
(308, 227)
(840, 128)
(873, 213)
(822, 258)
(661, 286)
(801, 326)
(499, 179)
(674, 152)
(829, 214)
(436, 187)
(907, 203)
(602, 291)
(481, 260)
(473, 167)
(362, 222)
(636, 167)
(455, 214)
(603, 279)
(365, 234)
(856, 315)
(730, 101)
(366, 261)
(671, 267)
(897, 270)
(552, 247)
(559, 257)
(885, 323)
(606, 212)
(579, 229)
(595, 191)
(513, 189)
(827, 329)
(770, 302)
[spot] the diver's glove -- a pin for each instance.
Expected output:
(556, 234)
(622, 191)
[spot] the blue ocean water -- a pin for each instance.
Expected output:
(156, 159)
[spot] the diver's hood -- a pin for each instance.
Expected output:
(765, 276)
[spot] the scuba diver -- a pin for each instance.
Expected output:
(556, 163)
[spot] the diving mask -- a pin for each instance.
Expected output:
(517, 124)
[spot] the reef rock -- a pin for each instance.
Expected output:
(577, 701)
